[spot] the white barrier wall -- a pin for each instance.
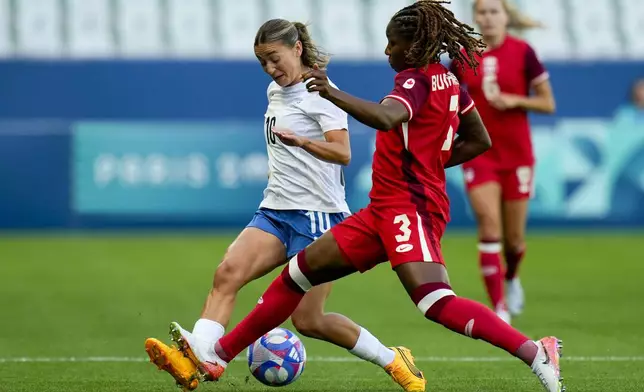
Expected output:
(350, 29)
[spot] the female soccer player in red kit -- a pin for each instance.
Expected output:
(500, 181)
(409, 208)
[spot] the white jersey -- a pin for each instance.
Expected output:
(298, 180)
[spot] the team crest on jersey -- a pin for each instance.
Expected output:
(409, 83)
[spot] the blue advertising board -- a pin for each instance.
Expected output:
(141, 168)
(167, 144)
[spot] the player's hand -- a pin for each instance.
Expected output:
(505, 101)
(318, 81)
(288, 138)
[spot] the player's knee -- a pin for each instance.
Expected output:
(488, 226)
(514, 244)
(488, 217)
(430, 298)
(307, 324)
(230, 275)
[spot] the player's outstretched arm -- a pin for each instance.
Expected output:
(542, 101)
(472, 139)
(335, 148)
(383, 116)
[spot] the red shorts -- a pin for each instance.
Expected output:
(398, 234)
(516, 183)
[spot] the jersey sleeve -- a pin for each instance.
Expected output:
(269, 90)
(534, 69)
(456, 69)
(329, 116)
(411, 88)
(466, 103)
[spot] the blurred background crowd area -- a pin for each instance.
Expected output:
(350, 29)
(150, 112)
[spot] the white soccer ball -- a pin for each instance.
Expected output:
(277, 358)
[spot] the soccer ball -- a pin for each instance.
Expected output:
(277, 358)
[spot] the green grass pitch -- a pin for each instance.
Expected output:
(66, 297)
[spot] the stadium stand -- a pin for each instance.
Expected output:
(574, 29)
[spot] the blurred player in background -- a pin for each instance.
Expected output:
(409, 207)
(500, 182)
(307, 141)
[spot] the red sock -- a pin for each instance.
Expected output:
(512, 261)
(492, 271)
(278, 303)
(470, 318)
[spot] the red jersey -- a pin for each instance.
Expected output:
(511, 68)
(408, 164)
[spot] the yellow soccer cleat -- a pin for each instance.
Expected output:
(208, 367)
(404, 371)
(174, 362)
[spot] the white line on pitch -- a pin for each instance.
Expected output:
(323, 359)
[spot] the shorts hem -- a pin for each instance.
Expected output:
(478, 184)
(359, 267)
(517, 198)
(267, 231)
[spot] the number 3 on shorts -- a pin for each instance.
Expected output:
(405, 233)
(404, 227)
(406, 243)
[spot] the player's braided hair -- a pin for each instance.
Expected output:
(434, 30)
(281, 30)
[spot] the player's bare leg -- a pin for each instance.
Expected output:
(325, 263)
(310, 320)
(428, 286)
(485, 200)
(253, 254)
(515, 217)
(319, 263)
(279, 302)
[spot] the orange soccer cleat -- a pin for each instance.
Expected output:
(404, 371)
(174, 362)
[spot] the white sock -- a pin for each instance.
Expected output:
(208, 330)
(539, 358)
(369, 348)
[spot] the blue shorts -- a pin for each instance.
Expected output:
(295, 228)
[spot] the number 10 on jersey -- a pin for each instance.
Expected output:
(270, 136)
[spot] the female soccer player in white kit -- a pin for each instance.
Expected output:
(307, 142)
